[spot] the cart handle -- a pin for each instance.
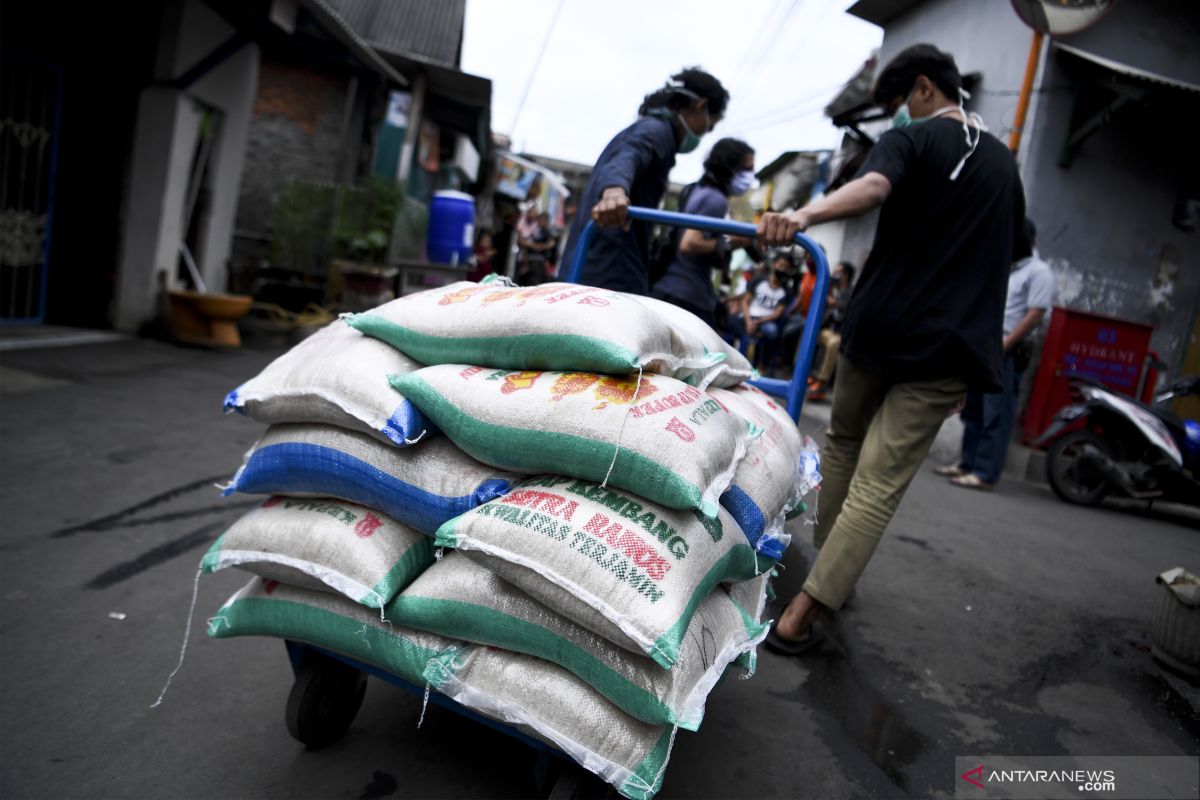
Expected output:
(792, 391)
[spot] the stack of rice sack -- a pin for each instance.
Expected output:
(609, 496)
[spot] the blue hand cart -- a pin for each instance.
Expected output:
(329, 687)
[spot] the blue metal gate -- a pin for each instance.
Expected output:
(30, 106)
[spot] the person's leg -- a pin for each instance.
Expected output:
(737, 326)
(856, 400)
(768, 342)
(831, 341)
(972, 420)
(898, 438)
(998, 413)
(897, 441)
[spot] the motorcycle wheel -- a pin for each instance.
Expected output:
(1071, 477)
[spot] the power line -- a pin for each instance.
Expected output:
(537, 64)
(788, 108)
(749, 54)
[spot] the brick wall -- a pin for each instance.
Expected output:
(296, 132)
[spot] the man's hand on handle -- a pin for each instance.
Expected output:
(613, 208)
(776, 229)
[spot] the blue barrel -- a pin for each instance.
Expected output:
(451, 237)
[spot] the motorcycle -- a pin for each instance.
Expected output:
(1108, 443)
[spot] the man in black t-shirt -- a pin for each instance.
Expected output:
(923, 324)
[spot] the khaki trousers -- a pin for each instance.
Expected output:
(831, 341)
(879, 433)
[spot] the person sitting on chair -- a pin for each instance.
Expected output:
(762, 307)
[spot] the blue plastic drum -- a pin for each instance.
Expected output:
(451, 238)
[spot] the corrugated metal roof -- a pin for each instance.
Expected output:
(1128, 69)
(431, 29)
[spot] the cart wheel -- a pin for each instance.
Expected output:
(324, 699)
(575, 783)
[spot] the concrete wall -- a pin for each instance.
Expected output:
(984, 36)
(164, 144)
(306, 123)
(1105, 221)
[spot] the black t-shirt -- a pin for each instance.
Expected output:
(930, 302)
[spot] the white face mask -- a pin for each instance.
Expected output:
(902, 118)
(741, 183)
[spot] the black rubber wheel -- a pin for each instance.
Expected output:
(323, 701)
(1072, 477)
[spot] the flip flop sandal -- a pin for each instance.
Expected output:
(950, 471)
(793, 647)
(972, 481)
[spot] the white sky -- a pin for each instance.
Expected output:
(781, 60)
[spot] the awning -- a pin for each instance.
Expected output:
(329, 19)
(1128, 69)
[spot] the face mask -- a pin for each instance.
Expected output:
(690, 140)
(902, 119)
(741, 183)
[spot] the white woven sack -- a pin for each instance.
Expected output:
(460, 599)
(338, 377)
(549, 703)
(627, 569)
(325, 544)
(766, 486)
(422, 486)
(671, 442)
(731, 370)
(557, 326)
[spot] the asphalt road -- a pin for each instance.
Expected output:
(1005, 623)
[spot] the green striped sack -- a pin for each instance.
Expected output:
(460, 599)
(559, 326)
(327, 544)
(732, 369)
(674, 444)
(620, 566)
(268, 608)
(551, 704)
(338, 377)
(539, 698)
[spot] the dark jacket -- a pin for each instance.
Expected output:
(638, 159)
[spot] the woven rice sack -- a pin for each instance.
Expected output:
(732, 369)
(422, 486)
(555, 326)
(460, 599)
(618, 565)
(766, 486)
(338, 377)
(538, 698)
(677, 446)
(268, 608)
(325, 544)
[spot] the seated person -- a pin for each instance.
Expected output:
(761, 309)
(797, 312)
(831, 337)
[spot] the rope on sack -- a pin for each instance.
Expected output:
(651, 787)
(424, 705)
(621, 433)
(187, 632)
